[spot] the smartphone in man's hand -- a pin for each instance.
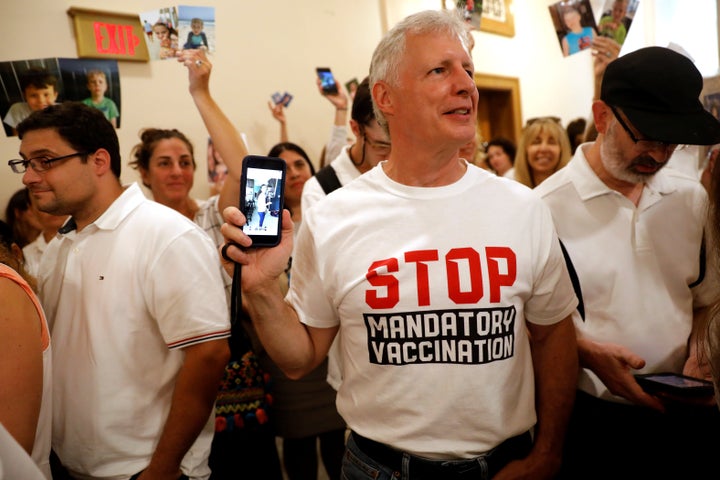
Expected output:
(262, 197)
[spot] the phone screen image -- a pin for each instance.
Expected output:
(262, 199)
(676, 384)
(677, 381)
(327, 81)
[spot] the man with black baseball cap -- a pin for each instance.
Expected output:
(634, 234)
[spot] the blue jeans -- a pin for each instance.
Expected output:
(358, 466)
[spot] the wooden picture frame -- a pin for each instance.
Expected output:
(497, 18)
(110, 35)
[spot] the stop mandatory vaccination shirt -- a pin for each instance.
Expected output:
(431, 288)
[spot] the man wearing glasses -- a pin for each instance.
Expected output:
(136, 305)
(371, 146)
(634, 233)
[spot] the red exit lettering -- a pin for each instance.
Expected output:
(115, 39)
(387, 291)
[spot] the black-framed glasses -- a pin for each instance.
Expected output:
(40, 164)
(530, 121)
(377, 145)
(642, 143)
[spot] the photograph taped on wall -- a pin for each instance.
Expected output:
(109, 35)
(29, 85)
(574, 24)
(95, 82)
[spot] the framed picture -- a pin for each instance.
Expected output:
(471, 10)
(497, 17)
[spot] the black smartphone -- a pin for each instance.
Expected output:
(675, 384)
(262, 198)
(327, 81)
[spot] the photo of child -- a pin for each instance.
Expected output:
(196, 26)
(30, 85)
(616, 19)
(164, 41)
(196, 39)
(574, 24)
(97, 85)
(94, 82)
(167, 38)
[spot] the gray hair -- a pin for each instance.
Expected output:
(390, 50)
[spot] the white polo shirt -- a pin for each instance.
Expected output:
(32, 252)
(123, 297)
(635, 264)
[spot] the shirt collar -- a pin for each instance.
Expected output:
(131, 197)
(589, 185)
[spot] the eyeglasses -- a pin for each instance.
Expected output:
(40, 164)
(377, 145)
(530, 121)
(641, 143)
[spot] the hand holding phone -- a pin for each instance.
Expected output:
(262, 196)
(327, 81)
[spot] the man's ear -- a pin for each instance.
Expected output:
(602, 116)
(101, 161)
(55, 95)
(382, 97)
(355, 127)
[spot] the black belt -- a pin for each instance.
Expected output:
(511, 449)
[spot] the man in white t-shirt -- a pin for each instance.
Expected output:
(136, 306)
(455, 325)
(635, 232)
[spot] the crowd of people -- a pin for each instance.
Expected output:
(392, 330)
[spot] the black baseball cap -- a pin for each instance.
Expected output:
(658, 89)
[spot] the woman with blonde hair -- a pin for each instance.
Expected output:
(544, 148)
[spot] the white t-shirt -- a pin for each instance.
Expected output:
(635, 264)
(345, 171)
(124, 297)
(436, 358)
(18, 112)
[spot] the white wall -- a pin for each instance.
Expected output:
(262, 47)
(269, 46)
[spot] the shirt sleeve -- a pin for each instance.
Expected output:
(186, 293)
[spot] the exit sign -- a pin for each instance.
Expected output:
(109, 35)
